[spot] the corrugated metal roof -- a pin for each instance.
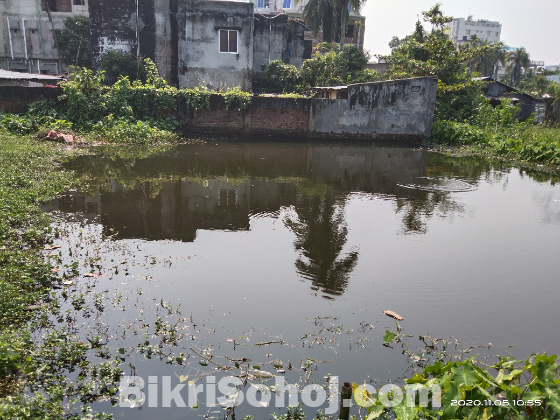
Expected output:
(330, 87)
(15, 75)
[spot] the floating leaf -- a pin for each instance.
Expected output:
(388, 337)
(393, 315)
(416, 379)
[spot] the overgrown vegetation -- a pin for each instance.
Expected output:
(74, 42)
(139, 111)
(329, 66)
(34, 374)
(116, 63)
(464, 117)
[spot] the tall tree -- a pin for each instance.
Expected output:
(344, 7)
(73, 41)
(330, 17)
(322, 15)
(518, 61)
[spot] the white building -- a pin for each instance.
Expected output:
(462, 30)
(26, 33)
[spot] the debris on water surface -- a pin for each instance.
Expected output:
(393, 315)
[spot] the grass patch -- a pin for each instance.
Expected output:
(34, 379)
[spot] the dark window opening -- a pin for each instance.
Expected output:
(57, 5)
(307, 49)
(44, 72)
(350, 31)
(228, 41)
(79, 2)
(227, 198)
(49, 5)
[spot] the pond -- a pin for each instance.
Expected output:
(287, 254)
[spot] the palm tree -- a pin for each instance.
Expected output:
(518, 60)
(330, 16)
(344, 7)
(498, 55)
(322, 15)
(321, 230)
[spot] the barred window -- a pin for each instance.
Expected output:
(228, 41)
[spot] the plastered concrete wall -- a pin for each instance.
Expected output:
(200, 61)
(400, 108)
(272, 35)
(113, 26)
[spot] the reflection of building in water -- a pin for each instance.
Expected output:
(270, 177)
(261, 179)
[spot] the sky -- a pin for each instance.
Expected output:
(533, 24)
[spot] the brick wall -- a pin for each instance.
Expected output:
(265, 115)
(284, 115)
(16, 99)
(217, 119)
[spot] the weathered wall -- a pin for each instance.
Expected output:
(395, 107)
(200, 61)
(265, 116)
(113, 26)
(31, 33)
(269, 115)
(272, 35)
(16, 99)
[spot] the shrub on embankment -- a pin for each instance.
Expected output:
(496, 130)
(126, 112)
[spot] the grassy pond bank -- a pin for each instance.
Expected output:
(274, 258)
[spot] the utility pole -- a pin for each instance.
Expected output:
(46, 3)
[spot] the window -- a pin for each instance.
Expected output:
(263, 4)
(307, 49)
(287, 4)
(79, 2)
(227, 197)
(350, 31)
(57, 5)
(228, 41)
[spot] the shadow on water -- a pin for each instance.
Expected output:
(172, 194)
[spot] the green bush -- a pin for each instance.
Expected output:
(282, 77)
(235, 98)
(116, 63)
(454, 133)
(122, 130)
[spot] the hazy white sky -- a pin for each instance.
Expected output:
(533, 24)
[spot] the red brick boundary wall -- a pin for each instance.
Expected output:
(16, 99)
(265, 116)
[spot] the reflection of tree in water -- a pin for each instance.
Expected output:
(321, 230)
(416, 211)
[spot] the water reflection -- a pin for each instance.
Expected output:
(173, 194)
(320, 228)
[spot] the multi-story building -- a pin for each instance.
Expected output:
(355, 32)
(462, 30)
(208, 42)
(26, 33)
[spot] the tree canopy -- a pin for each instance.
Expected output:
(73, 42)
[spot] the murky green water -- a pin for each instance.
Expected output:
(308, 245)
